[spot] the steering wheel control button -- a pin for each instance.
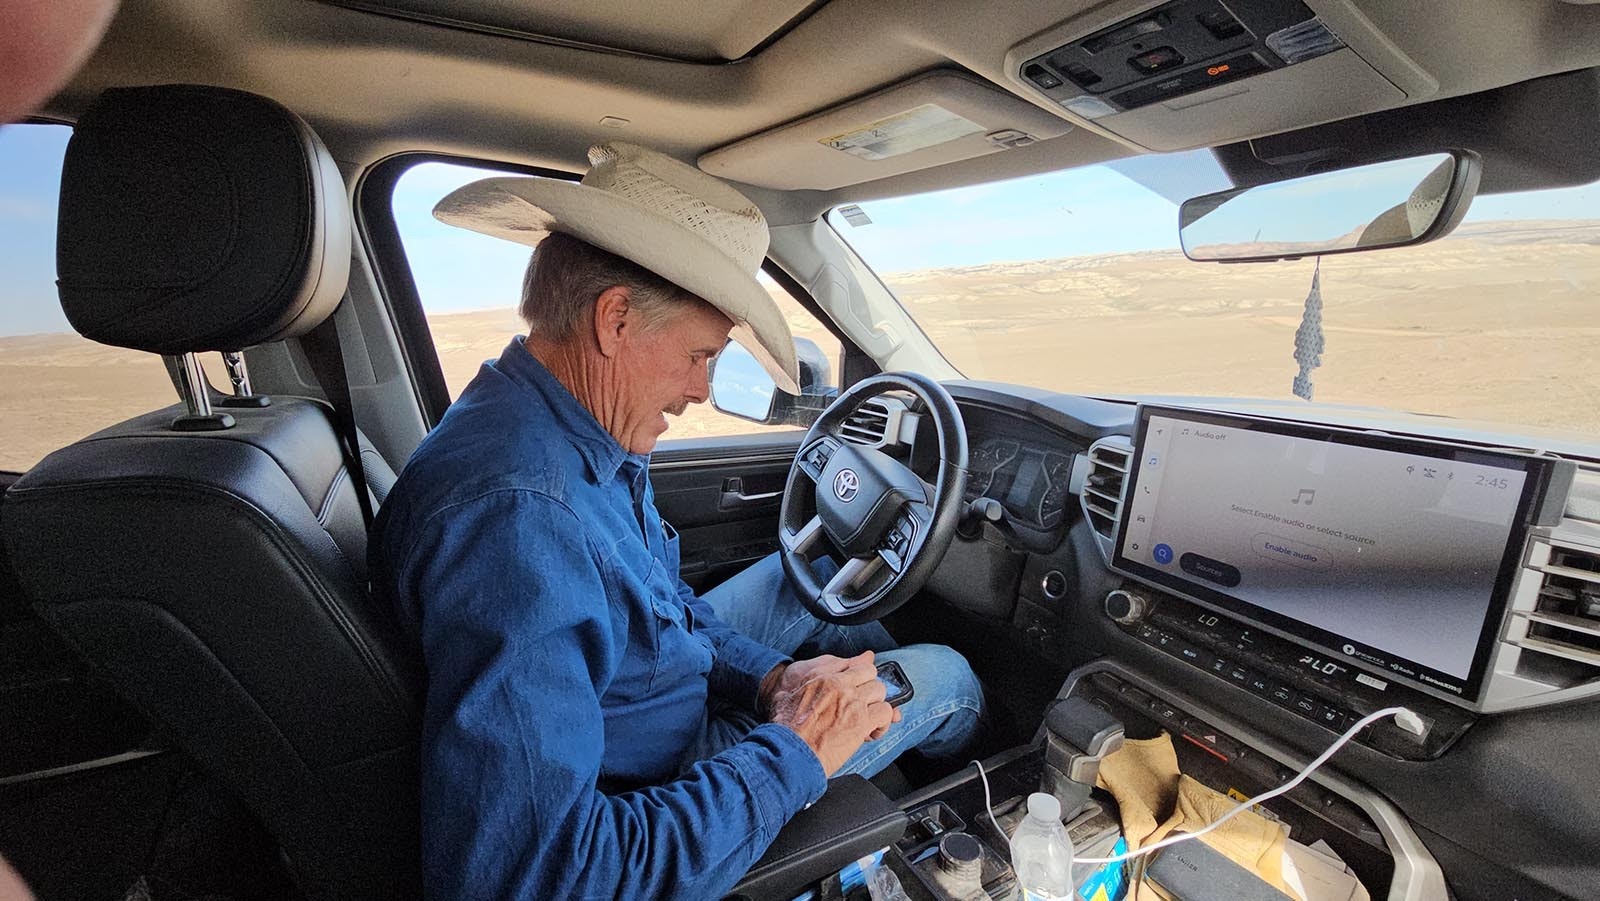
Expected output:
(1122, 606)
(815, 460)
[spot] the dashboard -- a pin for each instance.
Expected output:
(1360, 563)
(1286, 571)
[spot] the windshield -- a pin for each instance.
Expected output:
(1073, 281)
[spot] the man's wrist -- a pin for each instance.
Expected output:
(769, 688)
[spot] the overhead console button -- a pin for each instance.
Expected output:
(1221, 25)
(1157, 60)
(1193, 80)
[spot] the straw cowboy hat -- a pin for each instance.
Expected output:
(680, 223)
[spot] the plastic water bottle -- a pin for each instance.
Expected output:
(1041, 852)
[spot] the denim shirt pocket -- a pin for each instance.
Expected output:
(680, 654)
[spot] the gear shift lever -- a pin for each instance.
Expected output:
(1078, 735)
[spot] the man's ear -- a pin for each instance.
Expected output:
(611, 319)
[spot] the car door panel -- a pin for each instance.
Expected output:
(723, 496)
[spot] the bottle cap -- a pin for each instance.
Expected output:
(1042, 806)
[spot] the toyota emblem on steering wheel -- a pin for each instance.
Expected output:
(846, 484)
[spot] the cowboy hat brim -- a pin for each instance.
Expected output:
(524, 210)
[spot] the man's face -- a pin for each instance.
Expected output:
(665, 368)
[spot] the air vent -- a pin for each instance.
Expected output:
(869, 424)
(1101, 495)
(1563, 629)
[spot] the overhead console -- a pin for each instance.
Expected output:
(1189, 73)
(1176, 49)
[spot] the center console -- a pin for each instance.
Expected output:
(1365, 831)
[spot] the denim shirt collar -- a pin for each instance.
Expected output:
(597, 446)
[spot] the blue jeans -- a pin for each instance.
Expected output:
(941, 718)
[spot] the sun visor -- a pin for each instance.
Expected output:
(936, 118)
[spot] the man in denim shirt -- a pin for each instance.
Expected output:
(592, 729)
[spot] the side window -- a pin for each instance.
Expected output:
(470, 284)
(55, 387)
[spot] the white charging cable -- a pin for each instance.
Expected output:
(1403, 718)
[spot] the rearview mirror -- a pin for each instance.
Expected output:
(741, 387)
(1391, 204)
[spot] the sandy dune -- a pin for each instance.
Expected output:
(1493, 323)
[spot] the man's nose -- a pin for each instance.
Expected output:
(699, 388)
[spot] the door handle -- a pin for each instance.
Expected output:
(734, 496)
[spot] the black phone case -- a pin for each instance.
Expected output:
(901, 679)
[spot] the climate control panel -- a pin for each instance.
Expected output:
(1281, 673)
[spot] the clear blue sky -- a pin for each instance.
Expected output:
(1100, 209)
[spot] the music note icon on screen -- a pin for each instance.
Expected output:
(1310, 494)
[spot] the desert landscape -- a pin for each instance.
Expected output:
(1499, 322)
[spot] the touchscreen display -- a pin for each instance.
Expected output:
(1389, 551)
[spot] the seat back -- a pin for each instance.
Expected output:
(218, 578)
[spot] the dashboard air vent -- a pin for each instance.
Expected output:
(868, 425)
(1101, 495)
(1562, 631)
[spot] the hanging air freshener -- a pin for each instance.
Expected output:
(1308, 337)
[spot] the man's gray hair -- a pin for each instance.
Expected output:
(566, 274)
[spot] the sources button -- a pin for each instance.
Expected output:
(1210, 570)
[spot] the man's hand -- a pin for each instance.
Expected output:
(790, 676)
(833, 704)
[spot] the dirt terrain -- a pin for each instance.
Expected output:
(1493, 323)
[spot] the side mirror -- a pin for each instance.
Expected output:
(1391, 204)
(741, 387)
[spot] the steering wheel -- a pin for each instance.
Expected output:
(868, 511)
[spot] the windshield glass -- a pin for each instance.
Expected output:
(1073, 281)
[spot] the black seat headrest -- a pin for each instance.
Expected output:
(198, 219)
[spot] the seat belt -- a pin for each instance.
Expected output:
(323, 350)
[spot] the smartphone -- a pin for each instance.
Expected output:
(895, 681)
